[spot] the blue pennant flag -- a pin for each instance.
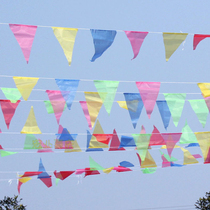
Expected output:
(127, 141)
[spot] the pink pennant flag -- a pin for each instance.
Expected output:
(121, 169)
(58, 102)
(86, 113)
(8, 109)
(156, 138)
(24, 35)
(207, 100)
(197, 156)
(149, 93)
(165, 162)
(207, 160)
(115, 143)
(136, 39)
(45, 148)
(170, 140)
(197, 38)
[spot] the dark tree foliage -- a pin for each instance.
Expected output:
(9, 203)
(203, 203)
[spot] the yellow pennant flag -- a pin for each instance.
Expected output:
(76, 147)
(93, 142)
(172, 42)
(122, 104)
(24, 179)
(108, 170)
(188, 158)
(164, 147)
(148, 161)
(25, 85)
(205, 89)
(31, 126)
(66, 38)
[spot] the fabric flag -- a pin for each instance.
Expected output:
(21, 181)
(75, 147)
(5, 153)
(25, 85)
(197, 156)
(63, 174)
(115, 142)
(122, 104)
(66, 136)
(126, 164)
(205, 89)
(207, 100)
(89, 137)
(49, 107)
(167, 157)
(149, 93)
(70, 86)
(108, 170)
(193, 145)
(172, 42)
(86, 113)
(175, 165)
(204, 142)
(24, 35)
(45, 148)
(165, 147)
(94, 104)
(127, 141)
(12, 94)
(200, 109)
(149, 170)
(66, 38)
(93, 142)
(44, 177)
(89, 172)
(80, 171)
(171, 139)
(165, 162)
(58, 102)
(187, 135)
(102, 40)
(8, 108)
(108, 87)
(207, 160)
(31, 126)
(142, 144)
(136, 39)
(121, 169)
(164, 112)
(148, 161)
(135, 105)
(188, 158)
(94, 166)
(156, 138)
(103, 138)
(175, 103)
(197, 38)
(31, 142)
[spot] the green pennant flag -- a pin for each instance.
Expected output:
(56, 181)
(12, 94)
(109, 87)
(188, 135)
(49, 107)
(6, 153)
(149, 170)
(94, 166)
(168, 158)
(31, 142)
(175, 102)
(142, 143)
(200, 109)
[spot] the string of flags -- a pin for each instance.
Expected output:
(102, 40)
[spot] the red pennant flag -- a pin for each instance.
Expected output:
(89, 172)
(103, 138)
(31, 173)
(156, 138)
(115, 142)
(8, 109)
(63, 174)
(47, 181)
(197, 38)
(122, 169)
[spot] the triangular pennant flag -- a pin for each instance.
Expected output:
(136, 39)
(127, 141)
(70, 86)
(149, 93)
(25, 85)
(103, 138)
(205, 89)
(126, 164)
(170, 140)
(6, 153)
(45, 148)
(24, 35)
(193, 145)
(121, 169)
(175, 103)
(142, 143)
(76, 147)
(207, 100)
(94, 165)
(156, 138)
(63, 174)
(49, 107)
(115, 142)
(108, 170)
(86, 113)
(21, 181)
(58, 102)
(197, 38)
(109, 87)
(135, 105)
(31, 142)
(165, 147)
(172, 42)
(66, 38)
(8, 109)
(164, 112)
(63, 144)
(102, 40)
(79, 171)
(149, 170)
(122, 104)
(188, 158)
(167, 157)
(148, 161)
(200, 109)
(175, 165)
(31, 173)
(187, 135)
(207, 160)
(165, 162)
(89, 137)
(89, 172)
(31, 126)
(12, 94)
(204, 142)
(66, 136)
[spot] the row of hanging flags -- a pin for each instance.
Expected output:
(102, 40)
(61, 99)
